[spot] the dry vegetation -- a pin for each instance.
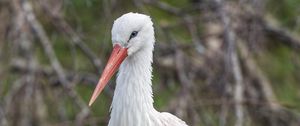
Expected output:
(209, 61)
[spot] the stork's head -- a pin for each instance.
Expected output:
(131, 33)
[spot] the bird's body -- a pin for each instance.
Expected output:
(132, 101)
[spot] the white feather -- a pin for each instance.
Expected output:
(132, 103)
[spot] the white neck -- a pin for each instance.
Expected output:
(132, 102)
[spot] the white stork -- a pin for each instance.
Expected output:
(132, 105)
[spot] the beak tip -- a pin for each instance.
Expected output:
(92, 100)
(90, 103)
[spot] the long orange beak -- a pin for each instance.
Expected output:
(116, 58)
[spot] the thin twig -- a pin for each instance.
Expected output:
(283, 35)
(258, 74)
(192, 27)
(67, 30)
(230, 40)
(41, 34)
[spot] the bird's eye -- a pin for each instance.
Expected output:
(133, 34)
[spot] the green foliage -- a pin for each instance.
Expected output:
(177, 3)
(282, 71)
(287, 11)
(101, 106)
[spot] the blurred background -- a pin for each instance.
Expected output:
(216, 62)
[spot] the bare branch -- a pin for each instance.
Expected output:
(230, 40)
(282, 34)
(258, 74)
(41, 34)
(194, 34)
(67, 30)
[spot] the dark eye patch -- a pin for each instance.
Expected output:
(133, 34)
